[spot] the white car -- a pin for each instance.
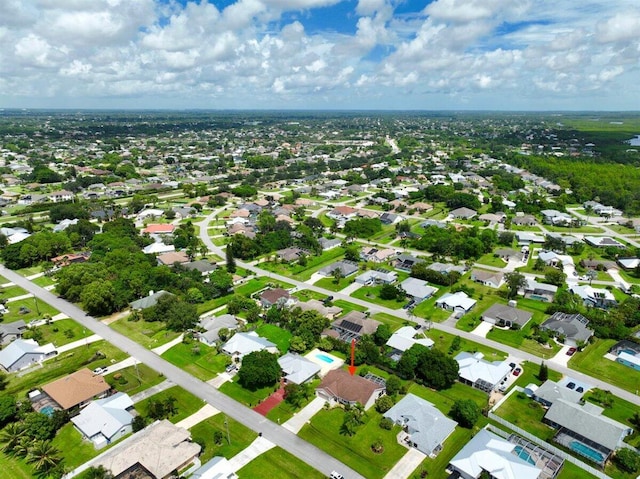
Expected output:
(99, 370)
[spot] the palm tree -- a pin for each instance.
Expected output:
(43, 456)
(10, 436)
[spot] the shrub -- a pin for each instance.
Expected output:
(386, 424)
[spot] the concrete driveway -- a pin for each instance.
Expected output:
(351, 288)
(406, 465)
(561, 357)
(482, 329)
(303, 416)
(259, 446)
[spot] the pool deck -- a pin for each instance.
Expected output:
(325, 367)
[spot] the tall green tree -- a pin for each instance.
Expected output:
(259, 369)
(515, 281)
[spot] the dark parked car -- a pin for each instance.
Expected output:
(517, 372)
(571, 351)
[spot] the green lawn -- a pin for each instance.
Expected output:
(571, 471)
(530, 372)
(186, 403)
(372, 295)
(134, 379)
(12, 292)
(280, 337)
(198, 359)
(442, 341)
(76, 451)
(306, 294)
(347, 306)
(38, 309)
(303, 273)
(355, 451)
(203, 433)
(44, 281)
(63, 365)
(329, 283)
(526, 413)
(591, 361)
(244, 396)
(30, 271)
(63, 332)
(393, 321)
(490, 260)
(284, 411)
(149, 334)
(14, 467)
(278, 463)
(443, 400)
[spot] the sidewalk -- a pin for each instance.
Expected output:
(205, 412)
(244, 457)
(303, 416)
(147, 393)
(80, 342)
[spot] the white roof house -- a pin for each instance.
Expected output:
(418, 289)
(242, 344)
(156, 248)
(297, 369)
(479, 373)
(456, 301)
(404, 338)
(488, 452)
(22, 353)
(105, 420)
(427, 428)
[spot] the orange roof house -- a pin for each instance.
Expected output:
(76, 389)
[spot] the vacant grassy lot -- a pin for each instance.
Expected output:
(347, 306)
(372, 295)
(12, 292)
(303, 273)
(149, 334)
(490, 260)
(44, 281)
(591, 361)
(278, 463)
(245, 396)
(186, 403)
(203, 433)
(63, 332)
(393, 321)
(329, 283)
(197, 359)
(37, 310)
(443, 342)
(132, 380)
(280, 337)
(355, 451)
(306, 294)
(527, 414)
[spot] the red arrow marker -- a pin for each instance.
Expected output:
(352, 368)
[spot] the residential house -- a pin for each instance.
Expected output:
(550, 392)
(557, 218)
(58, 196)
(148, 301)
(480, 373)
(242, 344)
(71, 258)
(378, 255)
(488, 453)
(404, 262)
(598, 264)
(463, 213)
(158, 248)
(77, 389)
(327, 244)
(11, 331)
(172, 257)
(329, 312)
(340, 387)
(507, 253)
(297, 369)
(377, 277)
(390, 218)
(14, 235)
(160, 449)
(459, 302)
(526, 238)
(507, 315)
(603, 242)
(105, 420)
(525, 220)
(347, 268)
(583, 429)
(290, 255)
(403, 339)
(156, 230)
(493, 218)
(540, 291)
(354, 324)
(493, 279)
(438, 224)
(424, 426)
(342, 213)
(417, 289)
(203, 266)
(572, 327)
(276, 297)
(594, 297)
(22, 353)
(213, 325)
(446, 268)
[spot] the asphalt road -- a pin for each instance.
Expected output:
(278, 435)
(401, 313)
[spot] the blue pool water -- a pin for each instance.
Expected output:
(629, 351)
(324, 358)
(522, 454)
(48, 410)
(586, 451)
(538, 297)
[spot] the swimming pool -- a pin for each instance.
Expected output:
(523, 454)
(48, 410)
(629, 351)
(325, 358)
(587, 452)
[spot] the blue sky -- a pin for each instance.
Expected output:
(321, 54)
